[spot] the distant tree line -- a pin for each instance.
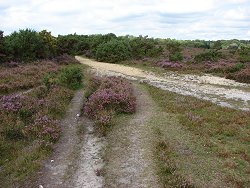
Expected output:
(28, 45)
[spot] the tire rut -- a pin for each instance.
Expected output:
(129, 154)
(55, 168)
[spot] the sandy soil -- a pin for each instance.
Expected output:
(130, 154)
(56, 167)
(90, 163)
(77, 160)
(218, 90)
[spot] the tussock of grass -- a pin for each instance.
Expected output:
(222, 133)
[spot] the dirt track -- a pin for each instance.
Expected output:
(215, 89)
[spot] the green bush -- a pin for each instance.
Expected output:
(208, 56)
(177, 56)
(25, 45)
(244, 54)
(49, 79)
(175, 51)
(113, 51)
(142, 47)
(71, 77)
(237, 67)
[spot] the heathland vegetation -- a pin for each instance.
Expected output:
(228, 58)
(39, 76)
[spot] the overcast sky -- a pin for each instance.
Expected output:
(180, 19)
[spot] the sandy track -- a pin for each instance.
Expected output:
(56, 167)
(218, 90)
(130, 161)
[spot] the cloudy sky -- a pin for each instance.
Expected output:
(180, 19)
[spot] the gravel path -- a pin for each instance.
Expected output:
(218, 90)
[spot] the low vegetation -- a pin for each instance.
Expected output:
(29, 123)
(182, 55)
(107, 97)
(221, 133)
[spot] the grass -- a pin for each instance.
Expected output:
(200, 143)
(21, 156)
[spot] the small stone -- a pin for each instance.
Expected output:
(51, 161)
(77, 115)
(40, 186)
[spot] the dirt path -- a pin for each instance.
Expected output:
(56, 168)
(218, 90)
(77, 155)
(129, 155)
(90, 162)
(78, 158)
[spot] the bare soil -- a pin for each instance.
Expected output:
(130, 157)
(55, 169)
(218, 90)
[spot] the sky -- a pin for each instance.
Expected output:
(179, 19)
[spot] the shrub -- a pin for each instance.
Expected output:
(142, 47)
(114, 95)
(25, 45)
(113, 51)
(176, 56)
(65, 59)
(212, 55)
(237, 67)
(241, 76)
(175, 51)
(49, 79)
(244, 54)
(71, 77)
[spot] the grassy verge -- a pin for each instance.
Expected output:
(29, 127)
(199, 143)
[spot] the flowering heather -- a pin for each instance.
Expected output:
(24, 76)
(11, 103)
(114, 95)
(65, 59)
(169, 64)
(44, 128)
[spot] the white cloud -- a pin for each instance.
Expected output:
(210, 19)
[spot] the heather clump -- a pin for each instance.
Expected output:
(43, 128)
(24, 77)
(169, 64)
(113, 95)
